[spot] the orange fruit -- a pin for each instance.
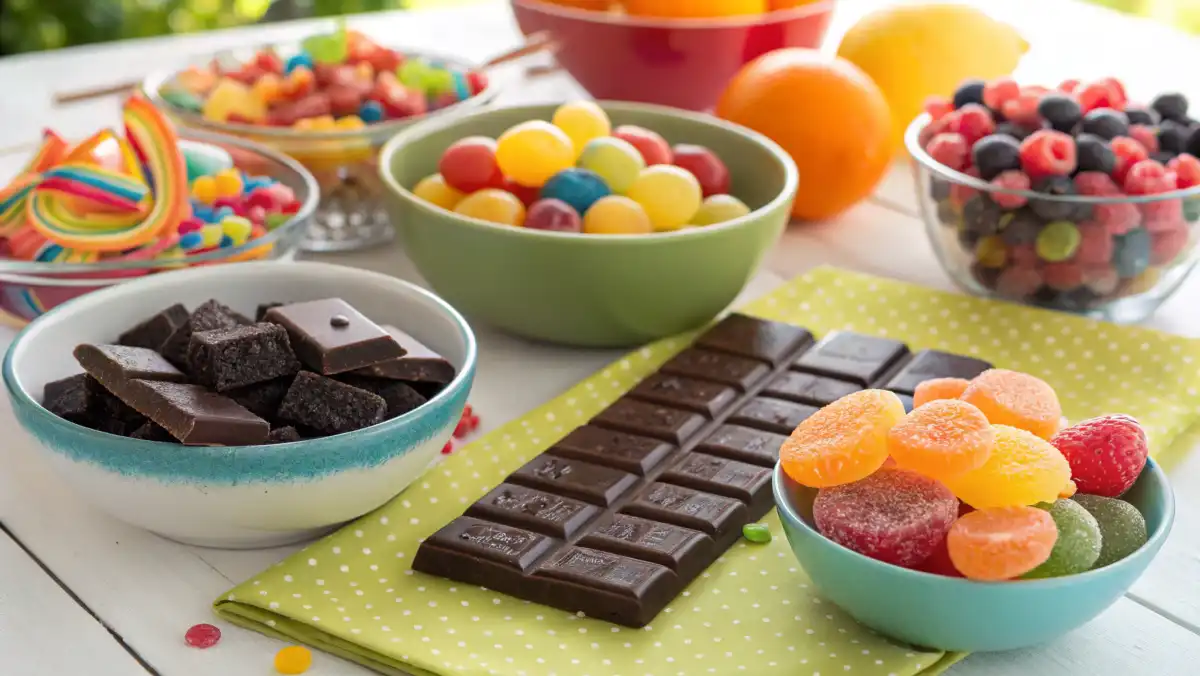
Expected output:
(826, 113)
(694, 9)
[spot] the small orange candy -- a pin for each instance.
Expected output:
(1069, 490)
(844, 441)
(939, 388)
(1001, 543)
(1017, 400)
(944, 438)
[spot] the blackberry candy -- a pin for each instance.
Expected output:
(947, 214)
(1192, 147)
(1142, 115)
(1170, 105)
(1105, 123)
(939, 189)
(1060, 110)
(1173, 137)
(970, 91)
(1022, 227)
(1012, 129)
(1052, 209)
(995, 154)
(1094, 154)
(981, 215)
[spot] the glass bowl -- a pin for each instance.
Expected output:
(1115, 258)
(30, 288)
(351, 213)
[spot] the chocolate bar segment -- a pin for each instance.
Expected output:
(542, 512)
(746, 336)
(772, 415)
(194, 415)
(597, 445)
(330, 336)
(112, 364)
(930, 364)
(650, 420)
(513, 548)
(419, 364)
(226, 359)
(851, 356)
(630, 589)
(747, 445)
(705, 512)
(682, 550)
(573, 478)
(701, 396)
(807, 388)
(721, 476)
(739, 372)
(153, 332)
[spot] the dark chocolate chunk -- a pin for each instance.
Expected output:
(263, 399)
(283, 435)
(153, 332)
(713, 514)
(419, 364)
(65, 386)
(573, 478)
(194, 415)
(513, 548)
(721, 476)
(682, 550)
(700, 396)
(756, 338)
(613, 449)
(110, 365)
(209, 316)
(772, 415)
(609, 586)
(741, 443)
(536, 510)
(227, 359)
(400, 396)
(930, 364)
(740, 372)
(260, 313)
(650, 420)
(152, 432)
(330, 347)
(68, 399)
(330, 407)
(852, 356)
(807, 388)
(105, 404)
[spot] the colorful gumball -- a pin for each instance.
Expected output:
(469, 164)
(435, 190)
(554, 215)
(531, 152)
(654, 148)
(494, 205)
(579, 188)
(614, 160)
(671, 196)
(719, 209)
(704, 164)
(582, 121)
(526, 194)
(616, 215)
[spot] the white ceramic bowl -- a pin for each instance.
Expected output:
(251, 496)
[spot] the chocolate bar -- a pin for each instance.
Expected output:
(111, 365)
(192, 414)
(330, 336)
(618, 516)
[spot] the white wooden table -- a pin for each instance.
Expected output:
(82, 594)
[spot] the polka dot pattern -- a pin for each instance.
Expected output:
(354, 593)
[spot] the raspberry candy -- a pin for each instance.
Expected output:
(1129, 152)
(1022, 108)
(894, 515)
(1106, 454)
(1096, 184)
(1048, 153)
(938, 107)
(950, 149)
(1001, 543)
(998, 91)
(1147, 177)
(1013, 179)
(1145, 135)
(1187, 171)
(973, 121)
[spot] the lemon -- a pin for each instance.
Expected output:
(916, 51)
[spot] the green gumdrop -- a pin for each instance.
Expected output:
(329, 49)
(1122, 527)
(273, 221)
(413, 73)
(439, 81)
(204, 159)
(1078, 545)
(1058, 241)
(181, 98)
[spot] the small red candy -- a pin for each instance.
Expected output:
(1148, 177)
(654, 148)
(448, 448)
(1107, 93)
(469, 164)
(262, 197)
(1048, 153)
(1129, 152)
(960, 192)
(938, 107)
(190, 224)
(269, 62)
(1187, 171)
(1013, 179)
(1145, 135)
(973, 121)
(202, 636)
(1096, 246)
(343, 100)
(386, 60)
(1068, 86)
(1166, 243)
(950, 149)
(709, 170)
(1000, 90)
(1063, 276)
(290, 208)
(462, 429)
(476, 82)
(1022, 108)
(1116, 217)
(526, 194)
(1095, 183)
(1106, 454)
(257, 215)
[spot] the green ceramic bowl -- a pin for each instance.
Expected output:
(590, 290)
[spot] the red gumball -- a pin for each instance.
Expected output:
(269, 62)
(654, 148)
(524, 193)
(704, 164)
(469, 164)
(554, 215)
(400, 102)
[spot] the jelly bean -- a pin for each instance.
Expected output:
(991, 252)
(1122, 527)
(325, 48)
(1001, 543)
(654, 148)
(493, 205)
(228, 183)
(555, 215)
(582, 121)
(202, 211)
(370, 111)
(670, 195)
(942, 438)
(579, 188)
(1058, 241)
(704, 164)
(1016, 399)
(298, 61)
(893, 515)
(477, 81)
(1078, 544)
(433, 189)
(1064, 276)
(439, 81)
(938, 388)
(275, 220)
(462, 88)
(844, 441)
(759, 533)
(531, 152)
(614, 160)
(257, 215)
(1018, 281)
(237, 228)
(189, 225)
(211, 235)
(343, 101)
(226, 242)
(413, 73)
(293, 660)
(182, 99)
(205, 189)
(616, 215)
(191, 241)
(1022, 469)
(268, 88)
(720, 209)
(469, 164)
(222, 213)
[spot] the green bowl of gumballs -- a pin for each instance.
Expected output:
(589, 224)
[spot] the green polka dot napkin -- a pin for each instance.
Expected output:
(753, 612)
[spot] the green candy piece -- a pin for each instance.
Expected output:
(273, 221)
(181, 98)
(1078, 545)
(1058, 241)
(439, 81)
(1122, 527)
(1191, 209)
(757, 532)
(331, 49)
(414, 73)
(204, 159)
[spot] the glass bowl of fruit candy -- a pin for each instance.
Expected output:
(592, 224)
(329, 102)
(977, 521)
(1074, 199)
(113, 207)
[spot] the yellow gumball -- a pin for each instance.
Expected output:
(494, 205)
(582, 121)
(670, 195)
(531, 152)
(433, 189)
(719, 209)
(616, 215)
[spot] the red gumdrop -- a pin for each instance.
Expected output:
(1095, 245)
(893, 515)
(939, 562)
(469, 165)
(554, 215)
(938, 107)
(1129, 152)
(950, 149)
(704, 164)
(996, 92)
(973, 121)
(1187, 170)
(654, 148)
(202, 636)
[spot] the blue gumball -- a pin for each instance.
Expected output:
(1132, 253)
(298, 60)
(580, 188)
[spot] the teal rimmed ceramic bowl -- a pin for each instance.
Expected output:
(954, 614)
(249, 496)
(590, 290)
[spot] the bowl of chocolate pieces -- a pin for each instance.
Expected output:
(244, 406)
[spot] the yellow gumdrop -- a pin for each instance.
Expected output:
(616, 215)
(350, 122)
(582, 121)
(494, 205)
(670, 195)
(293, 660)
(436, 191)
(719, 209)
(1023, 469)
(531, 152)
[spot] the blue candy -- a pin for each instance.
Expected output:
(220, 214)
(578, 187)
(226, 241)
(370, 111)
(1132, 255)
(191, 241)
(297, 61)
(202, 211)
(461, 88)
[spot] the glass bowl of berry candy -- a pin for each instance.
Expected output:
(329, 101)
(1073, 198)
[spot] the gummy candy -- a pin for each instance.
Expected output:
(1122, 527)
(469, 164)
(844, 441)
(757, 532)
(1002, 542)
(579, 188)
(719, 209)
(893, 515)
(1016, 399)
(228, 183)
(491, 204)
(582, 121)
(614, 160)
(202, 636)
(616, 215)
(552, 214)
(531, 152)
(1106, 454)
(1058, 241)
(670, 195)
(943, 438)
(939, 388)
(704, 164)
(1078, 544)
(231, 98)
(653, 148)
(1023, 469)
(433, 189)
(939, 562)
(293, 659)
(204, 189)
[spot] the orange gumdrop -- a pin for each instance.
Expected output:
(944, 438)
(844, 441)
(939, 388)
(1001, 543)
(1017, 400)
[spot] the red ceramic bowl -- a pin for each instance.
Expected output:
(684, 63)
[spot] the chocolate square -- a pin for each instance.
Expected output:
(930, 364)
(152, 333)
(400, 397)
(226, 359)
(208, 316)
(756, 338)
(700, 396)
(807, 388)
(263, 399)
(330, 336)
(650, 420)
(113, 364)
(852, 356)
(419, 365)
(194, 415)
(772, 415)
(68, 399)
(745, 444)
(613, 449)
(329, 406)
(720, 367)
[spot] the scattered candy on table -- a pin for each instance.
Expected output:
(202, 636)
(293, 659)
(759, 533)
(578, 174)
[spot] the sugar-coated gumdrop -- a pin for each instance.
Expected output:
(938, 388)
(653, 148)
(436, 191)
(719, 209)
(941, 439)
(1022, 469)
(531, 152)
(844, 441)
(939, 562)
(1001, 543)
(1122, 527)
(582, 121)
(616, 215)
(202, 636)
(293, 659)
(554, 215)
(1015, 399)
(1078, 543)
(494, 205)
(614, 160)
(704, 164)
(469, 164)
(1106, 454)
(670, 195)
(1069, 490)
(578, 187)
(893, 515)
